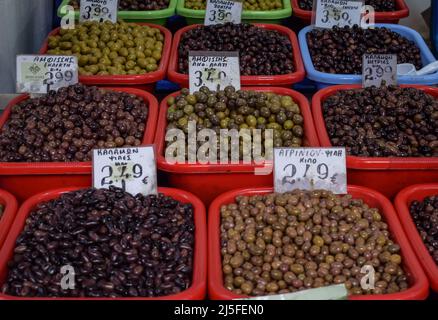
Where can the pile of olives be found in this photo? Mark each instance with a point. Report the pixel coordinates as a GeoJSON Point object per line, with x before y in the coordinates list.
{"type": "Point", "coordinates": [231, 109]}
{"type": "Point", "coordinates": [110, 48]}
{"type": "Point", "coordinates": [135, 5]}
{"type": "Point", "coordinates": [251, 5]}
{"type": "Point", "coordinates": [379, 5]}
{"type": "Point", "coordinates": [281, 243]}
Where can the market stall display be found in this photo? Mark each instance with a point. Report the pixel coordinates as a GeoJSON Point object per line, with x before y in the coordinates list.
{"type": "Point", "coordinates": [209, 180]}
{"type": "Point", "coordinates": [59, 145]}
{"type": "Point", "coordinates": [115, 54]}
{"type": "Point", "coordinates": [392, 140]}
{"type": "Point", "coordinates": [417, 209]}
{"type": "Point", "coordinates": [386, 11]}
{"type": "Point", "coordinates": [318, 248]}
{"type": "Point", "coordinates": [269, 54]}
{"type": "Point", "coordinates": [253, 10]}
{"type": "Point", "coordinates": [328, 63]}
{"type": "Point", "coordinates": [152, 11]}
{"type": "Point", "coordinates": [139, 238]}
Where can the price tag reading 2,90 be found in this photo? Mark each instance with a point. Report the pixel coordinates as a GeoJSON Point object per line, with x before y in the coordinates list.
{"type": "Point", "coordinates": [213, 69]}
{"type": "Point", "coordinates": [98, 10]}
{"type": "Point", "coordinates": [310, 169]}
{"type": "Point", "coordinates": [132, 169]}
{"type": "Point", "coordinates": [379, 68]}
{"type": "Point", "coordinates": [42, 73]}
{"type": "Point", "coordinates": [330, 13]}
{"type": "Point", "coordinates": [223, 11]}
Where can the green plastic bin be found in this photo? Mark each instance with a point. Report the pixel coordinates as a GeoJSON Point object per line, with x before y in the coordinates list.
{"type": "Point", "coordinates": [271, 17]}
{"type": "Point", "coordinates": [153, 16]}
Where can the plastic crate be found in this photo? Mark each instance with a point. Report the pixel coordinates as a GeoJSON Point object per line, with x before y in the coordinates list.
{"type": "Point", "coordinates": [418, 282]}
{"type": "Point", "coordinates": [151, 16]}
{"type": "Point", "coordinates": [196, 291]}
{"type": "Point", "coordinates": [323, 79]}
{"type": "Point", "coordinates": [25, 179]}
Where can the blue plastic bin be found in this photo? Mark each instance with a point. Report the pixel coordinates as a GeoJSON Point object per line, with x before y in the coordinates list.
{"type": "Point", "coordinates": [323, 80]}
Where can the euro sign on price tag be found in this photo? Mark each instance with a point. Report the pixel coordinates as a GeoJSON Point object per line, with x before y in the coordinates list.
{"type": "Point", "coordinates": [379, 69]}
{"type": "Point", "coordinates": [310, 169]}
{"type": "Point", "coordinates": [223, 11]}
{"type": "Point", "coordinates": [330, 13]}
{"type": "Point", "coordinates": [133, 169]}
{"type": "Point", "coordinates": [98, 10]}
{"type": "Point", "coordinates": [214, 69]}
{"type": "Point", "coordinates": [41, 73]}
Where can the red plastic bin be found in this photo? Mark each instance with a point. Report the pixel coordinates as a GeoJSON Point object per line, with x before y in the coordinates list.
{"type": "Point", "coordinates": [144, 81]}
{"type": "Point", "coordinates": [279, 80]}
{"type": "Point", "coordinates": [25, 179]}
{"type": "Point", "coordinates": [10, 207]}
{"type": "Point", "coordinates": [197, 290]}
{"type": "Point", "coordinates": [402, 11]}
{"type": "Point", "coordinates": [402, 203]}
{"type": "Point", "coordinates": [386, 175]}
{"type": "Point", "coordinates": [418, 280]}
{"type": "Point", "coordinates": [207, 181]}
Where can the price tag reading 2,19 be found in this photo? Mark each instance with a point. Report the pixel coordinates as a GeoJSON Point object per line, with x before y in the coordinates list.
{"type": "Point", "coordinates": [98, 10]}
{"type": "Point", "coordinates": [42, 73]}
{"type": "Point", "coordinates": [223, 11]}
{"type": "Point", "coordinates": [330, 13]}
{"type": "Point", "coordinates": [310, 169]}
{"type": "Point", "coordinates": [132, 169]}
{"type": "Point", "coordinates": [213, 69]}
{"type": "Point", "coordinates": [378, 68]}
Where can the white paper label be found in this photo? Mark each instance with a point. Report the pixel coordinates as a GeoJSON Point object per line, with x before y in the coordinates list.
{"type": "Point", "coordinates": [223, 11]}
{"type": "Point", "coordinates": [42, 73]}
{"type": "Point", "coordinates": [330, 13]}
{"type": "Point", "coordinates": [214, 69]}
{"type": "Point", "coordinates": [132, 169]}
{"type": "Point", "coordinates": [310, 169]}
{"type": "Point", "coordinates": [98, 10]}
{"type": "Point", "coordinates": [378, 68]}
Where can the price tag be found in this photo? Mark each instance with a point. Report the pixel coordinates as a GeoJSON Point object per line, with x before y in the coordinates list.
{"type": "Point", "coordinates": [310, 169]}
{"type": "Point", "coordinates": [214, 69]}
{"type": "Point", "coordinates": [98, 10]}
{"type": "Point", "coordinates": [42, 73]}
{"type": "Point", "coordinates": [330, 13]}
{"type": "Point", "coordinates": [132, 169]}
{"type": "Point", "coordinates": [379, 68]}
{"type": "Point", "coordinates": [223, 11]}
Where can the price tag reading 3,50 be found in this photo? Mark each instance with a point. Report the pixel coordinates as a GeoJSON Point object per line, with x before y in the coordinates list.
{"type": "Point", "coordinates": [213, 69]}
{"type": "Point", "coordinates": [223, 11]}
{"type": "Point", "coordinates": [330, 13]}
{"type": "Point", "coordinates": [310, 169]}
{"type": "Point", "coordinates": [132, 169]}
{"type": "Point", "coordinates": [41, 73]}
{"type": "Point", "coordinates": [98, 10]}
{"type": "Point", "coordinates": [379, 68]}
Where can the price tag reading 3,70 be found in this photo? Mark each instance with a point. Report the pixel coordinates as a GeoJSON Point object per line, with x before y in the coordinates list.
{"type": "Point", "coordinates": [330, 13]}
{"type": "Point", "coordinates": [98, 10]}
{"type": "Point", "coordinates": [42, 73]}
{"type": "Point", "coordinates": [213, 69]}
{"type": "Point", "coordinates": [310, 169]}
{"type": "Point", "coordinates": [379, 68]}
{"type": "Point", "coordinates": [132, 169]}
{"type": "Point", "coordinates": [223, 11]}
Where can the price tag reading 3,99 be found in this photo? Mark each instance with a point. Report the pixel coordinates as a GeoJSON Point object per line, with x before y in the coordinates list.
{"type": "Point", "coordinates": [213, 69]}
{"type": "Point", "coordinates": [310, 169]}
{"type": "Point", "coordinates": [132, 169]}
{"type": "Point", "coordinates": [330, 13]}
{"type": "Point", "coordinates": [42, 73]}
{"type": "Point", "coordinates": [223, 11]}
{"type": "Point", "coordinates": [379, 68]}
{"type": "Point", "coordinates": [98, 10]}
